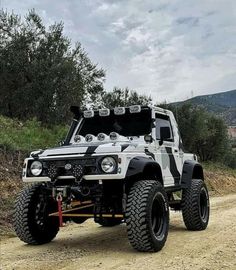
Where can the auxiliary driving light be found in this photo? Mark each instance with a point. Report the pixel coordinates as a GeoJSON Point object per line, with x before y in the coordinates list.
{"type": "Point", "coordinates": [101, 136]}
{"type": "Point", "coordinates": [52, 171]}
{"type": "Point", "coordinates": [77, 171]}
{"type": "Point", "coordinates": [88, 114]}
{"type": "Point", "coordinates": [104, 112]}
{"type": "Point", "coordinates": [114, 136]}
{"type": "Point", "coordinates": [119, 110]}
{"type": "Point", "coordinates": [135, 109]}
{"type": "Point", "coordinates": [77, 138]}
{"type": "Point", "coordinates": [89, 137]}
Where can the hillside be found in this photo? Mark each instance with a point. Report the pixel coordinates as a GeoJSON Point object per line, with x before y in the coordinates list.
{"type": "Point", "coordinates": [222, 104]}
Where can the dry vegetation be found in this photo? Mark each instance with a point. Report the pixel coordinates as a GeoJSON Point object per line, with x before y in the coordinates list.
{"type": "Point", "coordinates": [10, 184]}
{"type": "Point", "coordinates": [220, 179]}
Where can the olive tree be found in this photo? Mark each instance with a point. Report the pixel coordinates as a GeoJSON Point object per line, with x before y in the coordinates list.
{"type": "Point", "coordinates": [41, 73]}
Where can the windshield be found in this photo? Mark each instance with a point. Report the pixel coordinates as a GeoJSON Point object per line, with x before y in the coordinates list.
{"type": "Point", "coordinates": [128, 124]}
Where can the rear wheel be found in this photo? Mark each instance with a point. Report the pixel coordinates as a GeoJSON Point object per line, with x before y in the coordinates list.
{"type": "Point", "coordinates": [31, 219]}
{"type": "Point", "coordinates": [195, 206]}
{"type": "Point", "coordinates": [147, 216]}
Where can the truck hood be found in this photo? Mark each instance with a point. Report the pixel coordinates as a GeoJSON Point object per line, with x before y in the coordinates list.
{"type": "Point", "coordinates": [76, 149]}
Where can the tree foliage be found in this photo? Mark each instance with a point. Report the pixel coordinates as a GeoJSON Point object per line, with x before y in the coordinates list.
{"type": "Point", "coordinates": [202, 133]}
{"type": "Point", "coordinates": [41, 75]}
{"type": "Point", "coordinates": [124, 97]}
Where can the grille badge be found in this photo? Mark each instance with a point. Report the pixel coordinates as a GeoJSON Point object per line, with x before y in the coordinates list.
{"type": "Point", "coordinates": [68, 166]}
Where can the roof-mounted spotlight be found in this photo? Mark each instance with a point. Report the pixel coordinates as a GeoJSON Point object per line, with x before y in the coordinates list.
{"type": "Point", "coordinates": [135, 109]}
{"type": "Point", "coordinates": [88, 114]}
{"type": "Point", "coordinates": [119, 110]}
{"type": "Point", "coordinates": [104, 112]}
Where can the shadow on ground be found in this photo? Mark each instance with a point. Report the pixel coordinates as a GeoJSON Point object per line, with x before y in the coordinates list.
{"type": "Point", "coordinates": [95, 239]}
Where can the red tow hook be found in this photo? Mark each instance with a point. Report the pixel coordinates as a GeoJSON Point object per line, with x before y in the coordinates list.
{"type": "Point", "coordinates": [59, 203]}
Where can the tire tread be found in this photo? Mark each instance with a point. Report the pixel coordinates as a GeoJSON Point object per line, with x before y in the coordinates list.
{"type": "Point", "coordinates": [190, 206]}
{"type": "Point", "coordinates": [136, 212]}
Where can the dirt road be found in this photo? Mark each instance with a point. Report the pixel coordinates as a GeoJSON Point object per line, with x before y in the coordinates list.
{"type": "Point", "coordinates": [89, 246]}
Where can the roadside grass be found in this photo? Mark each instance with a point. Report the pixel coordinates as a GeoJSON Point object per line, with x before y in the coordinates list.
{"type": "Point", "coordinates": [29, 135]}
{"type": "Point", "coordinates": [17, 139]}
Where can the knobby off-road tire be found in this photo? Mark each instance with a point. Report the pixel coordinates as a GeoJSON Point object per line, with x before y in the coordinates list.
{"type": "Point", "coordinates": [109, 222]}
{"type": "Point", "coordinates": [147, 216]}
{"type": "Point", "coordinates": [195, 206]}
{"type": "Point", "coordinates": [30, 219]}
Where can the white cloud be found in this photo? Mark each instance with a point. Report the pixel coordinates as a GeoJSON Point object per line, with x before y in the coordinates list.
{"type": "Point", "coordinates": [164, 48]}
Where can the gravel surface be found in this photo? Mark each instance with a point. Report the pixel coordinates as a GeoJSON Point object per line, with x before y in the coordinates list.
{"type": "Point", "coordinates": [89, 246]}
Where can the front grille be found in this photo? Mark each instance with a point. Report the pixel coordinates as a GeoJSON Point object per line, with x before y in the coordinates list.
{"type": "Point", "coordinates": [54, 168]}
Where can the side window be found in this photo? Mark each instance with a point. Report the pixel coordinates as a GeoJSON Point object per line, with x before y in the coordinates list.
{"type": "Point", "coordinates": [162, 121]}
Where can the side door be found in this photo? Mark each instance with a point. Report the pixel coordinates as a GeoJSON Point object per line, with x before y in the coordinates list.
{"type": "Point", "coordinates": [166, 151]}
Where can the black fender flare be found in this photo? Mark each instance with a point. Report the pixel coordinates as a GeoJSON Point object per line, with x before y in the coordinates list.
{"type": "Point", "coordinates": [191, 170]}
{"type": "Point", "coordinates": [143, 168]}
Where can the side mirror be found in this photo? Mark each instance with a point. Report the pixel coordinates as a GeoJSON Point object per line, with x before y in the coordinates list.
{"type": "Point", "coordinates": [148, 138]}
{"type": "Point", "coordinates": [165, 133]}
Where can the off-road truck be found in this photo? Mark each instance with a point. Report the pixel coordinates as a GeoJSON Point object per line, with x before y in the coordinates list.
{"type": "Point", "coordinates": [120, 165]}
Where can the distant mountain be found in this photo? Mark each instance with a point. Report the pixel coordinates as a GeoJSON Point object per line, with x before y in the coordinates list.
{"type": "Point", "coordinates": [222, 104]}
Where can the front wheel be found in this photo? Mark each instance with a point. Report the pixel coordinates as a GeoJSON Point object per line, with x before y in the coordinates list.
{"type": "Point", "coordinates": [147, 216]}
{"type": "Point", "coordinates": [31, 219]}
{"type": "Point", "coordinates": [195, 206]}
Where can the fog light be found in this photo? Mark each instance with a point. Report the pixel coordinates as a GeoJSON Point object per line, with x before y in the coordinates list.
{"type": "Point", "coordinates": [77, 171]}
{"type": "Point", "coordinates": [52, 171]}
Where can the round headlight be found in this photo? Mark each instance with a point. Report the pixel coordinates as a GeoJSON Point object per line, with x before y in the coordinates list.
{"type": "Point", "coordinates": [108, 164]}
{"type": "Point", "coordinates": [36, 168]}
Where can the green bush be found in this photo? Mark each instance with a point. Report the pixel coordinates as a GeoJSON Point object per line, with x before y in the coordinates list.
{"type": "Point", "coordinates": [29, 135]}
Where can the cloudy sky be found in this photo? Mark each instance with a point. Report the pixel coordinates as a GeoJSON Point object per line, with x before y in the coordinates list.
{"type": "Point", "coordinates": [170, 49]}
